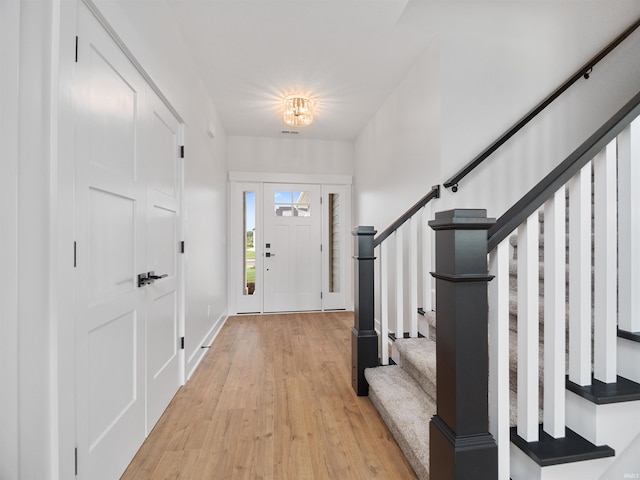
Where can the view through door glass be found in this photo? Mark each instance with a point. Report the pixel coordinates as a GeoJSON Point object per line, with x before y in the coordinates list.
{"type": "Point", "coordinates": [249, 229]}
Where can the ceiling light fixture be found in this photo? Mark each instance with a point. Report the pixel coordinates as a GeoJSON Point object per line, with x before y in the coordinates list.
{"type": "Point", "coordinates": [298, 110]}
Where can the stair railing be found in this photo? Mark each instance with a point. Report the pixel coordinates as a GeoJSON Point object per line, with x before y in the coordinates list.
{"type": "Point", "coordinates": [612, 156]}
{"type": "Point", "coordinates": [582, 72]}
{"type": "Point", "coordinates": [409, 224]}
{"type": "Point", "coordinates": [370, 336]}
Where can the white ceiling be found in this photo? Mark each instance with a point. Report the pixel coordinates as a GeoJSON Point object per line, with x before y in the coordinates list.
{"type": "Point", "coordinates": [346, 54]}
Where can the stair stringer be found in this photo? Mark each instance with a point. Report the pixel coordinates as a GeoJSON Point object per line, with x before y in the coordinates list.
{"type": "Point", "coordinates": [613, 424]}
{"type": "Point", "coordinates": [626, 464]}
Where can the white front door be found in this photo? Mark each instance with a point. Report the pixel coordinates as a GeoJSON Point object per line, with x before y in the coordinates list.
{"type": "Point", "coordinates": [110, 252]}
{"type": "Point", "coordinates": [291, 247]}
{"type": "Point", "coordinates": [162, 238]}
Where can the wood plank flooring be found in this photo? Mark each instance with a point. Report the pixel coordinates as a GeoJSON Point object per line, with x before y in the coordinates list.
{"type": "Point", "coordinates": [272, 399]}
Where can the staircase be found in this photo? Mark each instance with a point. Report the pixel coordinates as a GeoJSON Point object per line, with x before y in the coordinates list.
{"type": "Point", "coordinates": [405, 396]}
{"type": "Point", "coordinates": [564, 379]}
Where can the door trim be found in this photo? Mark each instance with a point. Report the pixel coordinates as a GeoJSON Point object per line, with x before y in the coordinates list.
{"type": "Point", "coordinates": [267, 177]}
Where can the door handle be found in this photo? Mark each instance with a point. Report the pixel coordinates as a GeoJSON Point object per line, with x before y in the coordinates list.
{"type": "Point", "coordinates": [148, 278]}
{"type": "Point", "coordinates": [153, 277]}
{"type": "Point", "coordinates": [269, 254]}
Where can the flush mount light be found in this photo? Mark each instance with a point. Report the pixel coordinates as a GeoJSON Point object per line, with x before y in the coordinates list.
{"type": "Point", "coordinates": [298, 110]}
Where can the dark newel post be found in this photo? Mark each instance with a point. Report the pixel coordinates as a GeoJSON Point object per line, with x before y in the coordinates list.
{"type": "Point", "coordinates": [364, 339]}
{"type": "Point", "coordinates": [461, 446]}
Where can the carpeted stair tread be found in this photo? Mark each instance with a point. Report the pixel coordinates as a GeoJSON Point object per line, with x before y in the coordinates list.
{"type": "Point", "coordinates": [418, 358]}
{"type": "Point", "coordinates": [406, 409]}
{"type": "Point", "coordinates": [431, 320]}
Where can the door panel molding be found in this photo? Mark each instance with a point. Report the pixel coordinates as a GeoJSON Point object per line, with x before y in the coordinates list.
{"type": "Point", "coordinates": [127, 217]}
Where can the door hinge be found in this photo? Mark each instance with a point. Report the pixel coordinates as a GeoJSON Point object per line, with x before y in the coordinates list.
{"type": "Point", "coordinates": [182, 246]}
{"type": "Point", "coordinates": [181, 343]}
{"type": "Point", "coordinates": [320, 247]}
{"type": "Point", "coordinates": [320, 200]}
{"type": "Point", "coordinates": [320, 295]}
{"type": "Point", "coordinates": [75, 254]}
{"type": "Point", "coordinates": [76, 49]}
{"type": "Point", "coordinates": [181, 151]}
{"type": "Point", "coordinates": [76, 461]}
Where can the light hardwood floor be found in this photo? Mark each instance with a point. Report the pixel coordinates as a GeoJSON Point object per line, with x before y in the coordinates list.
{"type": "Point", "coordinates": [272, 399]}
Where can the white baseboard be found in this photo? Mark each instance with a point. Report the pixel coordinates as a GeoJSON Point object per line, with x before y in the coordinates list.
{"type": "Point", "coordinates": [197, 356]}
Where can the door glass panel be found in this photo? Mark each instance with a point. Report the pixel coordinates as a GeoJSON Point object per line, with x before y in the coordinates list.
{"type": "Point", "coordinates": [334, 242]}
{"type": "Point", "coordinates": [292, 204]}
{"type": "Point", "coordinates": [249, 249]}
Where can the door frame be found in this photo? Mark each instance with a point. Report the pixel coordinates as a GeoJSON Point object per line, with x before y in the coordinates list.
{"type": "Point", "coordinates": [254, 181]}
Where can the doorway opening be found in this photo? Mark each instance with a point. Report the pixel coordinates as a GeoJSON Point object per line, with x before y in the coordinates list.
{"type": "Point", "coordinates": [289, 247]}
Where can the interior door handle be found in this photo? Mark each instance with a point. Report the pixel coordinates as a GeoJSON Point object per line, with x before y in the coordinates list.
{"type": "Point", "coordinates": [269, 254]}
{"type": "Point", "coordinates": [149, 278]}
{"type": "Point", "coordinates": [153, 277]}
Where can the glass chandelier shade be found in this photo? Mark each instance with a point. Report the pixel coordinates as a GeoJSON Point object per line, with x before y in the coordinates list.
{"type": "Point", "coordinates": [298, 111]}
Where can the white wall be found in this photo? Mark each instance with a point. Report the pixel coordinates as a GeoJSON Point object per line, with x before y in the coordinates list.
{"type": "Point", "coordinates": [205, 240]}
{"type": "Point", "coordinates": [290, 155]}
{"type": "Point", "coordinates": [489, 65]}
{"type": "Point", "coordinates": [398, 152]}
{"type": "Point", "coordinates": [26, 387]}
{"type": "Point", "coordinates": [500, 62]}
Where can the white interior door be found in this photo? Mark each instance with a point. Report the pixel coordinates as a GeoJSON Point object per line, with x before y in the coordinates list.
{"type": "Point", "coordinates": [291, 245]}
{"type": "Point", "coordinates": [109, 216]}
{"type": "Point", "coordinates": [163, 201]}
{"type": "Point", "coordinates": [127, 221]}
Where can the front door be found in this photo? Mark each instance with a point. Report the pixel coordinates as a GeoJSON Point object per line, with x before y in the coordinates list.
{"type": "Point", "coordinates": [292, 247]}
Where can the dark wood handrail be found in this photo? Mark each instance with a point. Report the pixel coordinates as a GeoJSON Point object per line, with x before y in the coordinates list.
{"type": "Point", "coordinates": [560, 175]}
{"type": "Point", "coordinates": [434, 193]}
{"type": "Point", "coordinates": [584, 71]}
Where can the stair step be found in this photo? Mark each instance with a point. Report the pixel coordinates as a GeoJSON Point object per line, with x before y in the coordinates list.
{"type": "Point", "coordinates": [418, 359]}
{"type": "Point", "coordinates": [600, 393]}
{"type": "Point", "coordinates": [633, 336]}
{"type": "Point", "coordinates": [430, 317]}
{"type": "Point", "coordinates": [629, 355]}
{"type": "Point", "coordinates": [555, 451]}
{"type": "Point", "coordinates": [406, 409]}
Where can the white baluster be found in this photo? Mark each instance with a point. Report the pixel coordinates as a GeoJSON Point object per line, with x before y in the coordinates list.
{"type": "Point", "coordinates": [413, 277]}
{"type": "Point", "coordinates": [384, 303]}
{"type": "Point", "coordinates": [580, 277]}
{"type": "Point", "coordinates": [399, 282]}
{"type": "Point", "coordinates": [528, 321]}
{"type": "Point", "coordinates": [499, 355]}
{"type": "Point", "coordinates": [427, 251]}
{"type": "Point", "coordinates": [554, 314]}
{"type": "Point", "coordinates": [629, 226]}
{"type": "Point", "coordinates": [605, 260]}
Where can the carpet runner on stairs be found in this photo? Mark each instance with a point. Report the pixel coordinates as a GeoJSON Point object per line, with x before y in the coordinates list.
{"type": "Point", "coordinates": [407, 402]}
